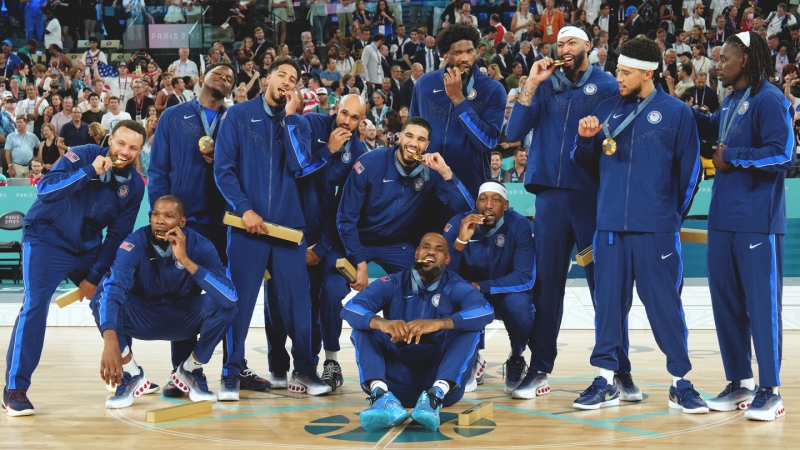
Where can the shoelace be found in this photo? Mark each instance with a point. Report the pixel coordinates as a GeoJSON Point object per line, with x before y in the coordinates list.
{"type": "Point", "coordinates": [529, 376]}
{"type": "Point", "coordinates": [18, 395]}
{"type": "Point", "coordinates": [126, 380]}
{"type": "Point", "coordinates": [593, 388]}
{"type": "Point", "coordinates": [200, 379]}
{"type": "Point", "coordinates": [687, 393]}
{"type": "Point", "coordinates": [626, 379]}
{"type": "Point", "coordinates": [374, 398]}
{"type": "Point", "coordinates": [435, 401]}
{"type": "Point", "coordinates": [761, 398]}
{"type": "Point", "coordinates": [729, 388]}
{"type": "Point", "coordinates": [514, 369]}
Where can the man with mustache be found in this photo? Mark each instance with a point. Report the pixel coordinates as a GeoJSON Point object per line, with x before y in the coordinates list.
{"type": "Point", "coordinates": [493, 248]}
{"type": "Point", "coordinates": [551, 103]}
{"type": "Point", "coordinates": [425, 341]}
{"type": "Point", "coordinates": [333, 139]}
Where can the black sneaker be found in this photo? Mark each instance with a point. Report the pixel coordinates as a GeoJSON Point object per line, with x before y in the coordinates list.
{"type": "Point", "coordinates": [514, 371]}
{"type": "Point", "coordinates": [332, 374]}
{"type": "Point", "coordinates": [16, 403]}
{"type": "Point", "coordinates": [249, 381]}
{"type": "Point", "coordinates": [170, 390]}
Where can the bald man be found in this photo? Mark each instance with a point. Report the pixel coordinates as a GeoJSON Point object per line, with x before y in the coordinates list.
{"type": "Point", "coordinates": [334, 140]}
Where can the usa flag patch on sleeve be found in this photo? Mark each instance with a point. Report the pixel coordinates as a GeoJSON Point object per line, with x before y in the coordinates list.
{"type": "Point", "coordinates": [358, 167]}
{"type": "Point", "coordinates": [447, 227]}
{"type": "Point", "coordinates": [72, 157]}
{"type": "Point", "coordinates": [126, 246]}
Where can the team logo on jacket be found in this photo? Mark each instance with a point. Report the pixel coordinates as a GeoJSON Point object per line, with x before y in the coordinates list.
{"type": "Point", "coordinates": [123, 191]}
{"type": "Point", "coordinates": [654, 117]}
{"type": "Point", "coordinates": [418, 183]}
{"type": "Point", "coordinates": [472, 94]}
{"type": "Point", "coordinates": [447, 227]}
{"type": "Point", "coordinates": [590, 89]}
{"type": "Point", "coordinates": [501, 240]}
{"type": "Point", "coordinates": [72, 156]}
{"type": "Point", "coordinates": [346, 157]}
{"type": "Point", "coordinates": [435, 300]}
{"type": "Point", "coordinates": [743, 108]}
{"type": "Point", "coordinates": [179, 265]}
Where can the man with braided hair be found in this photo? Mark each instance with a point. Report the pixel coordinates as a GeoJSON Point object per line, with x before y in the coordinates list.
{"type": "Point", "coordinates": [644, 145]}
{"type": "Point", "coordinates": [746, 224]}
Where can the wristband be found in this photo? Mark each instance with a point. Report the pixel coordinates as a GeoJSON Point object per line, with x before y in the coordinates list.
{"type": "Point", "coordinates": [461, 242]}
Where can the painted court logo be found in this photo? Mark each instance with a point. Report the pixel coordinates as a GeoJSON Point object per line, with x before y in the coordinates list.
{"type": "Point", "coordinates": [344, 428]}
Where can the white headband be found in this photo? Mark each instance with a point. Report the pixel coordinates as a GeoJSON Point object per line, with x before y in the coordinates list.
{"type": "Point", "coordinates": [744, 36]}
{"type": "Point", "coordinates": [572, 32]}
{"type": "Point", "coordinates": [491, 186]}
{"type": "Point", "coordinates": [636, 63]}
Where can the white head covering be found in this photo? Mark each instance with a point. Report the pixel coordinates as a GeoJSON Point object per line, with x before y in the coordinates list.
{"type": "Point", "coordinates": [492, 186]}
{"type": "Point", "coordinates": [744, 36]}
{"type": "Point", "coordinates": [570, 31]}
{"type": "Point", "coordinates": [634, 63]}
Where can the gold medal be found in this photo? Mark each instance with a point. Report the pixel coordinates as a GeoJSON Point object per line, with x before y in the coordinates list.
{"type": "Point", "coordinates": [609, 146]}
{"type": "Point", "coordinates": [161, 235]}
{"type": "Point", "coordinates": [206, 145]}
{"type": "Point", "coordinates": [417, 156]}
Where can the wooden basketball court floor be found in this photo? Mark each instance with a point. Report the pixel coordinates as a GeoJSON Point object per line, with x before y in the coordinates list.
{"type": "Point", "coordinates": [69, 399]}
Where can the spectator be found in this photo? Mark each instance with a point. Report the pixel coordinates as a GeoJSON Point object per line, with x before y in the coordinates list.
{"type": "Point", "coordinates": [48, 148]}
{"type": "Point", "coordinates": [151, 112]}
{"type": "Point", "coordinates": [247, 47]}
{"type": "Point", "coordinates": [329, 75]}
{"type": "Point", "coordinates": [703, 95]}
{"type": "Point", "coordinates": [403, 115]}
{"type": "Point", "coordinates": [371, 142]}
{"type": "Point", "coordinates": [114, 114]}
{"type": "Point", "coordinates": [383, 20]}
{"type": "Point", "coordinates": [178, 86]}
{"type": "Point", "coordinates": [65, 116]}
{"type": "Point", "coordinates": [493, 71]}
{"type": "Point", "coordinates": [344, 14]}
{"type": "Point", "coordinates": [373, 71]}
{"type": "Point", "coordinates": [496, 23]}
{"type": "Point", "coordinates": [636, 24]}
{"type": "Point", "coordinates": [52, 32]}
{"type": "Point", "coordinates": [512, 81]}
{"type": "Point", "coordinates": [94, 113]}
{"type": "Point", "coordinates": [685, 77]}
{"type": "Point", "coordinates": [337, 91]}
{"type": "Point", "coordinates": [516, 174]}
{"type": "Point", "coordinates": [21, 147]}
{"type": "Point", "coordinates": [309, 94]}
{"type": "Point", "coordinates": [358, 76]}
{"type": "Point", "coordinates": [31, 107]}
{"type": "Point", "coordinates": [34, 21]}
{"type": "Point", "coordinates": [143, 160]}
{"type": "Point", "coordinates": [495, 166]}
{"type": "Point", "coordinates": [700, 62]}
{"type": "Point", "coordinates": [522, 19]}
{"type": "Point", "coordinates": [465, 15]}
{"type": "Point", "coordinates": [358, 46]}
{"type": "Point", "coordinates": [184, 66]}
{"type": "Point", "coordinates": [97, 135]}
{"type": "Point", "coordinates": [119, 86]}
{"type": "Point", "coordinates": [137, 105]}
{"type": "Point", "coordinates": [780, 59]}
{"type": "Point", "coordinates": [42, 119]}
{"type": "Point", "coordinates": [779, 21]}
{"type": "Point", "coordinates": [501, 58]}
{"type": "Point", "coordinates": [319, 14]}
{"type": "Point", "coordinates": [344, 64]}
{"type": "Point", "coordinates": [377, 114]}
{"type": "Point", "coordinates": [73, 133]}
{"type": "Point", "coordinates": [429, 56]}
{"type": "Point", "coordinates": [323, 107]}
{"type": "Point", "coordinates": [524, 57]}
{"type": "Point", "coordinates": [7, 117]}
{"type": "Point", "coordinates": [407, 87]}
{"type": "Point", "coordinates": [551, 22]}
{"type": "Point", "coordinates": [36, 173]}
{"type": "Point", "coordinates": [695, 19]}
{"type": "Point", "coordinates": [392, 95]}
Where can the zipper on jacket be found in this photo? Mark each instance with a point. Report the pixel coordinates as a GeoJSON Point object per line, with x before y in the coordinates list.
{"type": "Point", "coordinates": [628, 184]}
{"type": "Point", "coordinates": [271, 158]}
{"type": "Point", "coordinates": [563, 138]}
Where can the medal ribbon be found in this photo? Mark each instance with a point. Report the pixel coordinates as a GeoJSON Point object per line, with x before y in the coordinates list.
{"type": "Point", "coordinates": [209, 128]}
{"type": "Point", "coordinates": [727, 121]}
{"type": "Point", "coordinates": [417, 283]}
{"type": "Point", "coordinates": [628, 119]}
{"type": "Point", "coordinates": [560, 79]}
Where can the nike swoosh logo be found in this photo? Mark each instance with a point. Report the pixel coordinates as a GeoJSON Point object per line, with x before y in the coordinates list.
{"type": "Point", "coordinates": [609, 396]}
{"type": "Point", "coordinates": [409, 296]}
{"type": "Point", "coordinates": [754, 246]}
{"type": "Point", "coordinates": [152, 259]}
{"type": "Point", "coordinates": [188, 117]}
{"type": "Point", "coordinates": [724, 109]}
{"type": "Point", "coordinates": [387, 181]}
{"type": "Point", "coordinates": [321, 141]}
{"type": "Point", "coordinates": [474, 240]}
{"type": "Point", "coordinates": [254, 120]}
{"type": "Point", "coordinates": [666, 256]}
{"type": "Point", "coordinates": [437, 90]}
{"type": "Point", "coordinates": [617, 115]}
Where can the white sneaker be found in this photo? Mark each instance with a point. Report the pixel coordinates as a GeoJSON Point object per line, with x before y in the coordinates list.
{"type": "Point", "coordinates": [767, 406]}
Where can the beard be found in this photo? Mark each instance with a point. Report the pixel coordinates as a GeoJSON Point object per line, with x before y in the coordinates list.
{"type": "Point", "coordinates": [577, 62]}
{"type": "Point", "coordinates": [633, 93]}
{"type": "Point", "coordinates": [431, 274]}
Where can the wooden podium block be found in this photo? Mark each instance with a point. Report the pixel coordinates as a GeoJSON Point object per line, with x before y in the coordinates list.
{"type": "Point", "coordinates": [346, 269]}
{"type": "Point", "coordinates": [178, 412]}
{"type": "Point", "coordinates": [585, 257]}
{"type": "Point", "coordinates": [70, 297]}
{"type": "Point", "coordinates": [267, 275]}
{"type": "Point", "coordinates": [475, 413]}
{"type": "Point", "coordinates": [275, 230]}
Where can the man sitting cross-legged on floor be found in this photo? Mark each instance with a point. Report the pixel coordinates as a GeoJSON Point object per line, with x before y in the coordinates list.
{"type": "Point", "coordinates": [426, 341]}
{"type": "Point", "coordinates": [154, 292]}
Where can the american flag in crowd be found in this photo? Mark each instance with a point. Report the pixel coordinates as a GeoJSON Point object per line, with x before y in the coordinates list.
{"type": "Point", "coordinates": [106, 71]}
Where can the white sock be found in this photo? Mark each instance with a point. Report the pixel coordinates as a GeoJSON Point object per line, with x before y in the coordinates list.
{"type": "Point", "coordinates": [775, 390]}
{"type": "Point", "coordinates": [331, 355]}
{"type": "Point", "coordinates": [748, 383]}
{"type": "Point", "coordinates": [378, 384]}
{"type": "Point", "coordinates": [443, 385]}
{"type": "Point", "coordinates": [675, 381]}
{"type": "Point", "coordinates": [608, 375]}
{"type": "Point", "coordinates": [131, 367]}
{"type": "Point", "coordinates": [192, 364]}
{"type": "Point", "coordinates": [126, 351]}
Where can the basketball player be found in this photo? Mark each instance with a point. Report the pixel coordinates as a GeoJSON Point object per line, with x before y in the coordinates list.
{"type": "Point", "coordinates": [426, 342]}
{"type": "Point", "coordinates": [747, 224]}
{"type": "Point", "coordinates": [63, 237]}
{"type": "Point", "coordinates": [644, 144]}
{"type": "Point", "coordinates": [549, 106]}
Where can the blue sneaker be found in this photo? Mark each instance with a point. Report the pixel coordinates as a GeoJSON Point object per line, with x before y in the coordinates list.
{"type": "Point", "coordinates": [194, 383]}
{"type": "Point", "coordinates": [384, 411]}
{"type": "Point", "coordinates": [131, 386]}
{"type": "Point", "coordinates": [16, 403]}
{"type": "Point", "coordinates": [229, 388]}
{"type": "Point", "coordinates": [735, 396]}
{"type": "Point", "coordinates": [599, 395]}
{"type": "Point", "coordinates": [685, 397]}
{"type": "Point", "coordinates": [426, 413]}
{"type": "Point", "coordinates": [767, 405]}
{"type": "Point", "coordinates": [152, 389]}
{"type": "Point", "coordinates": [514, 371]}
